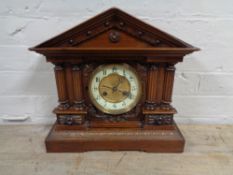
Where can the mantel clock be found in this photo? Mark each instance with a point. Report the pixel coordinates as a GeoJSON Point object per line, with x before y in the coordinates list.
{"type": "Point", "coordinates": [114, 77]}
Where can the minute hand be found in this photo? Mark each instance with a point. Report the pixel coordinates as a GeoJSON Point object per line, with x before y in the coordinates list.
{"type": "Point", "coordinates": [107, 87]}
{"type": "Point", "coordinates": [120, 80]}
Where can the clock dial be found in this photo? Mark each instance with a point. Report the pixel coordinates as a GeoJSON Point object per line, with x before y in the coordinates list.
{"type": "Point", "coordinates": [114, 88]}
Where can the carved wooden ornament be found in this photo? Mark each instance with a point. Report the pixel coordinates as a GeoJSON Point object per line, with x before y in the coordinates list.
{"type": "Point", "coordinates": [114, 76]}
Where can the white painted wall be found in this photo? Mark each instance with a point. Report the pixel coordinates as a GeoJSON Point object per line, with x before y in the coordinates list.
{"type": "Point", "coordinates": [204, 81]}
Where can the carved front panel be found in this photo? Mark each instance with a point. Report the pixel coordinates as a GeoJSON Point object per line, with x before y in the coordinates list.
{"type": "Point", "coordinates": [70, 119]}
{"type": "Point", "coordinates": [159, 119]}
{"type": "Point", "coordinates": [156, 79]}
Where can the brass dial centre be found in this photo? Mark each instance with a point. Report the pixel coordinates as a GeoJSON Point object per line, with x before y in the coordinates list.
{"type": "Point", "coordinates": [114, 88]}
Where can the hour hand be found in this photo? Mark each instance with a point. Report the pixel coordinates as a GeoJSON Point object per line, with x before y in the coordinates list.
{"type": "Point", "coordinates": [106, 86]}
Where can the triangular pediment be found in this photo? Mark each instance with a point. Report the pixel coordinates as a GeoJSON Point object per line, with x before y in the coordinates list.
{"type": "Point", "coordinates": [110, 20]}
{"type": "Point", "coordinates": [113, 29]}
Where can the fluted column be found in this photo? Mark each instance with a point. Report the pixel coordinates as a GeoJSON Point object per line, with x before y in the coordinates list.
{"type": "Point", "coordinates": [168, 84]}
{"type": "Point", "coordinates": [78, 87]}
{"type": "Point", "coordinates": [61, 87]}
{"type": "Point", "coordinates": [151, 96]}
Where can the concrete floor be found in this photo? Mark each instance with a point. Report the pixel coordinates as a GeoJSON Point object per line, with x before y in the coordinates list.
{"type": "Point", "coordinates": [209, 150]}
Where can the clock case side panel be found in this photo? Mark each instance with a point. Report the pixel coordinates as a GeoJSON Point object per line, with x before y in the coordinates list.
{"type": "Point", "coordinates": [158, 109]}
{"type": "Point", "coordinates": [69, 82]}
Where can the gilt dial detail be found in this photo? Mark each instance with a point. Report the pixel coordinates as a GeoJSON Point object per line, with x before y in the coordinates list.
{"type": "Point", "coordinates": [114, 88]}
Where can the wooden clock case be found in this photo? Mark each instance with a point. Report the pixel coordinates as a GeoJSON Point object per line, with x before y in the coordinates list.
{"type": "Point", "coordinates": [114, 37]}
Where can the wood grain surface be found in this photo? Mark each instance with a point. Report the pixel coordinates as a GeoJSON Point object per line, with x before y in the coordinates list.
{"type": "Point", "coordinates": [208, 151]}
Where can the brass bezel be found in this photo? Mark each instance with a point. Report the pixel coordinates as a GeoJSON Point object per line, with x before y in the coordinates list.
{"type": "Point", "coordinates": [120, 111]}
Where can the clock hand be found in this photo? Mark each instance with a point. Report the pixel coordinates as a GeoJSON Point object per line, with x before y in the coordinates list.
{"type": "Point", "coordinates": [107, 86]}
{"type": "Point", "coordinates": [120, 79]}
{"type": "Point", "coordinates": [112, 88]}
{"type": "Point", "coordinates": [125, 93]}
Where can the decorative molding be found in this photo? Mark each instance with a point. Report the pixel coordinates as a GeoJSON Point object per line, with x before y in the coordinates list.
{"type": "Point", "coordinates": [166, 106]}
{"type": "Point", "coordinates": [118, 133]}
{"type": "Point", "coordinates": [70, 119]}
{"type": "Point", "coordinates": [111, 118]}
{"type": "Point", "coordinates": [158, 119]}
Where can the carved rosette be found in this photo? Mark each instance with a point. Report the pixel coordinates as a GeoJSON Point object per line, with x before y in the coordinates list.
{"type": "Point", "coordinates": [168, 86]}
{"type": "Point", "coordinates": [151, 87]}
{"type": "Point", "coordinates": [61, 87]}
{"type": "Point", "coordinates": [78, 87]}
{"type": "Point", "coordinates": [114, 36]}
